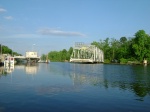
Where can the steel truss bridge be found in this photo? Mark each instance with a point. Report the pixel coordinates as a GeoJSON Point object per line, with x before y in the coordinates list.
{"type": "Point", "coordinates": [86, 53]}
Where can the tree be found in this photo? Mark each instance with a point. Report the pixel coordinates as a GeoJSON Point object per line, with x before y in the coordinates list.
{"type": "Point", "coordinates": [123, 48]}
{"type": "Point", "coordinates": [54, 56]}
{"type": "Point", "coordinates": [59, 55]}
{"type": "Point", "coordinates": [69, 53]}
{"type": "Point", "coordinates": [135, 48]}
{"type": "Point", "coordinates": [63, 55]}
{"type": "Point", "coordinates": [140, 45]}
{"type": "Point", "coordinates": [43, 57]}
{"type": "Point", "coordinates": [115, 44]}
{"type": "Point", "coordinates": [123, 40]}
{"type": "Point", "coordinates": [7, 50]}
{"type": "Point", "coordinates": [107, 49]}
{"type": "Point", "coordinates": [105, 46]}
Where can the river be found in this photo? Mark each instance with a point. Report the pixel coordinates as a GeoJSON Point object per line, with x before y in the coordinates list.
{"type": "Point", "coordinates": [70, 87]}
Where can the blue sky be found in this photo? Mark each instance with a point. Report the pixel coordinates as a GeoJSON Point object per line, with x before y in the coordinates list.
{"type": "Point", "coordinates": [47, 25]}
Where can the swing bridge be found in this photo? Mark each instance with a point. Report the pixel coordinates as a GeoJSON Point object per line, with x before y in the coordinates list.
{"type": "Point", "coordinates": [30, 57]}
{"type": "Point", "coordinates": [86, 53]}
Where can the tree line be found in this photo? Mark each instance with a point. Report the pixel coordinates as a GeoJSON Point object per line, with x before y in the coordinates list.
{"type": "Point", "coordinates": [125, 49]}
{"type": "Point", "coordinates": [61, 56]}
{"type": "Point", "coordinates": [6, 50]}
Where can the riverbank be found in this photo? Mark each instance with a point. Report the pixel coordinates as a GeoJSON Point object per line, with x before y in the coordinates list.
{"type": "Point", "coordinates": [126, 62]}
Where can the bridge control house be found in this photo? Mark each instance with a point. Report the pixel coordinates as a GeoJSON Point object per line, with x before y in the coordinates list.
{"type": "Point", "coordinates": [32, 56]}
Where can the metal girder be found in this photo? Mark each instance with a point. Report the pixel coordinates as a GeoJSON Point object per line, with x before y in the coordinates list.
{"type": "Point", "coordinates": [86, 53]}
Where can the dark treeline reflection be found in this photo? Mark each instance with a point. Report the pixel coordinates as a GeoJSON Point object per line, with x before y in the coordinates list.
{"type": "Point", "coordinates": [134, 78]}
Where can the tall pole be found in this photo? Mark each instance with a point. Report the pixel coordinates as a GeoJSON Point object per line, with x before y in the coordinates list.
{"type": "Point", "coordinates": [12, 51]}
{"type": "Point", "coordinates": [1, 48]}
{"type": "Point", "coordinates": [32, 47]}
{"type": "Point", "coordinates": [1, 53]}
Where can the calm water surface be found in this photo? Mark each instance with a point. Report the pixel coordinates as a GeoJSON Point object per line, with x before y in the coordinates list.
{"type": "Point", "coordinates": [69, 87]}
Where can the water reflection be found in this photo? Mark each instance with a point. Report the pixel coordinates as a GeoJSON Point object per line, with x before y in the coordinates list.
{"type": "Point", "coordinates": [131, 78]}
{"type": "Point", "coordinates": [55, 78]}
{"type": "Point", "coordinates": [135, 79]}
{"type": "Point", "coordinates": [87, 74]}
{"type": "Point", "coordinates": [6, 70]}
{"type": "Point", "coordinates": [29, 68]}
{"type": "Point", "coordinates": [141, 85]}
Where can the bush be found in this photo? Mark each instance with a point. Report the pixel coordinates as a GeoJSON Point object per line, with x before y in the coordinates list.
{"type": "Point", "coordinates": [132, 59]}
{"type": "Point", "coordinates": [123, 61]}
{"type": "Point", "coordinates": [106, 61]}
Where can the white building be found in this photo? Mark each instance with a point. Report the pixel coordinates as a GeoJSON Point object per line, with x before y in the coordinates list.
{"type": "Point", "coordinates": [31, 54]}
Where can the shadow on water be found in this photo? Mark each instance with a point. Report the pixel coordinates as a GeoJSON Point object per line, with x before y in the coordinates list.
{"type": "Point", "coordinates": [134, 78]}
{"type": "Point", "coordinates": [4, 71]}
{"type": "Point", "coordinates": [75, 87]}
{"type": "Point", "coordinates": [141, 84]}
{"type": "Point", "coordinates": [126, 77]}
{"type": "Point", "coordinates": [30, 68]}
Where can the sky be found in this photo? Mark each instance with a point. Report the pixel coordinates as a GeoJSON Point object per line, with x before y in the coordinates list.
{"type": "Point", "coordinates": [54, 25]}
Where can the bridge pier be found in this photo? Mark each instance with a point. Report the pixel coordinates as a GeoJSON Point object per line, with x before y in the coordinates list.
{"type": "Point", "coordinates": [32, 60]}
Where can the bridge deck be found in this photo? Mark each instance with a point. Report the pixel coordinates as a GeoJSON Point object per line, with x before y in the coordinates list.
{"type": "Point", "coordinates": [19, 57]}
{"type": "Point", "coordinates": [29, 59]}
{"type": "Point", "coordinates": [23, 57]}
{"type": "Point", "coordinates": [82, 60]}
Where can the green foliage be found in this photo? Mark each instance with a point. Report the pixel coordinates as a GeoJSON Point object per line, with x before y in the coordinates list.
{"type": "Point", "coordinates": [7, 50]}
{"type": "Point", "coordinates": [132, 59]}
{"type": "Point", "coordinates": [106, 61]}
{"type": "Point", "coordinates": [141, 45]}
{"type": "Point", "coordinates": [123, 61]}
{"type": "Point", "coordinates": [69, 53]}
{"type": "Point", "coordinates": [43, 57]}
{"type": "Point", "coordinates": [137, 47]}
{"type": "Point", "coordinates": [133, 49]}
{"type": "Point", "coordinates": [63, 55]}
{"type": "Point", "coordinates": [123, 40]}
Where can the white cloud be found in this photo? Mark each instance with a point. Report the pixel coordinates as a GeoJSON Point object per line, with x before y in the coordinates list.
{"type": "Point", "coordinates": [8, 17]}
{"type": "Point", "coordinates": [2, 10]}
{"type": "Point", "coordinates": [57, 32]}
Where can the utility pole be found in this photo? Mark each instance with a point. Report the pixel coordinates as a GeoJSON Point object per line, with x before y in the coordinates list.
{"type": "Point", "coordinates": [1, 49]}
{"type": "Point", "coordinates": [0, 53]}
{"type": "Point", "coordinates": [33, 47]}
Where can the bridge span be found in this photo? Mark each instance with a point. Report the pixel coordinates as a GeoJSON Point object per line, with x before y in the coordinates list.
{"type": "Point", "coordinates": [19, 57]}
{"type": "Point", "coordinates": [86, 53]}
{"type": "Point", "coordinates": [30, 57]}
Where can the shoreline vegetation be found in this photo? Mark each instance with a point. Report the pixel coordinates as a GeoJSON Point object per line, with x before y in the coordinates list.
{"type": "Point", "coordinates": [124, 61]}
{"type": "Point", "coordinates": [131, 50]}
{"type": "Point", "coordinates": [6, 50]}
